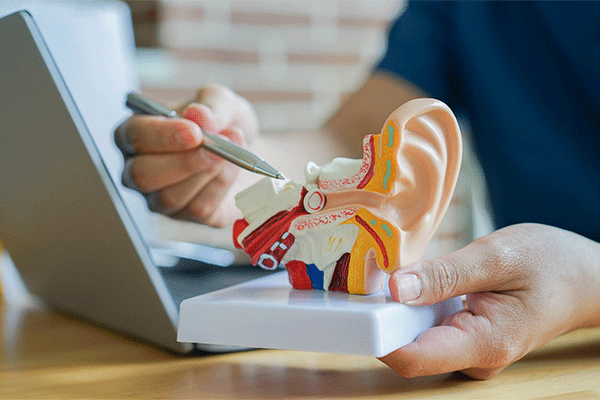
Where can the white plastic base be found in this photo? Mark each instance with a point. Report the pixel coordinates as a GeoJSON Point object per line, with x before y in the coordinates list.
{"type": "Point", "coordinates": [268, 313]}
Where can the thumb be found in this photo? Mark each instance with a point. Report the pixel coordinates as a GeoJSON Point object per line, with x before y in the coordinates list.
{"type": "Point", "coordinates": [478, 267]}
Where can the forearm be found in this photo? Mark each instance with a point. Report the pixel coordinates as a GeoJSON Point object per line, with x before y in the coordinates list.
{"type": "Point", "coordinates": [289, 152]}
{"type": "Point", "coordinates": [366, 110]}
{"type": "Point", "coordinates": [587, 255]}
{"type": "Point", "coordinates": [363, 113]}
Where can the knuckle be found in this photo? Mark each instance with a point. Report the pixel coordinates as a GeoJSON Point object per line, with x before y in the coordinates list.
{"type": "Point", "coordinates": [176, 128]}
{"type": "Point", "coordinates": [223, 180]}
{"type": "Point", "coordinates": [505, 256]}
{"type": "Point", "coordinates": [156, 126]}
{"type": "Point", "coordinates": [201, 211]}
{"type": "Point", "coordinates": [500, 252]}
{"type": "Point", "coordinates": [235, 135]}
{"type": "Point", "coordinates": [132, 138]}
{"type": "Point", "coordinates": [123, 138]}
{"type": "Point", "coordinates": [213, 91]}
{"type": "Point", "coordinates": [138, 132]}
{"type": "Point", "coordinates": [137, 176]}
{"type": "Point", "coordinates": [190, 163]}
{"type": "Point", "coordinates": [502, 352]}
{"type": "Point", "coordinates": [167, 202]}
{"type": "Point", "coordinates": [444, 279]}
{"type": "Point", "coordinates": [499, 358]}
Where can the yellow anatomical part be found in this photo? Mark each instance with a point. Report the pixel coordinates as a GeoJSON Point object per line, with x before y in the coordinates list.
{"type": "Point", "coordinates": [376, 237]}
{"type": "Point", "coordinates": [385, 159]}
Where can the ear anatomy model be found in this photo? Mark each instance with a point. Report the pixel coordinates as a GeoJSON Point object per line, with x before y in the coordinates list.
{"type": "Point", "coordinates": [354, 221]}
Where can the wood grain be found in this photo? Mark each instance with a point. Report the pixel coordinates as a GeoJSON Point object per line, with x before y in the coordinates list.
{"type": "Point", "coordinates": [48, 355]}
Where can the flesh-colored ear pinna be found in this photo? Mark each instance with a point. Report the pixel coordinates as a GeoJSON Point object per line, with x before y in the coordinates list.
{"type": "Point", "coordinates": [353, 221]}
{"type": "Point", "coordinates": [429, 158]}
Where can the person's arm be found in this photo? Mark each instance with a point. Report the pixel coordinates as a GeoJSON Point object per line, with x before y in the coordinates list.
{"type": "Point", "coordinates": [179, 179]}
{"type": "Point", "coordinates": [366, 110]}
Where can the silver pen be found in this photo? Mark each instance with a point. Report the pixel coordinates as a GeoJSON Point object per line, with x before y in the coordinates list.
{"type": "Point", "coordinates": [217, 145]}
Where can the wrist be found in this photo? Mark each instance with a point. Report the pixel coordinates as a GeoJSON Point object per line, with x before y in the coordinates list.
{"type": "Point", "coordinates": [588, 311]}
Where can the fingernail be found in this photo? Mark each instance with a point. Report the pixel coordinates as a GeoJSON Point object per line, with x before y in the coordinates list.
{"type": "Point", "coordinates": [409, 287]}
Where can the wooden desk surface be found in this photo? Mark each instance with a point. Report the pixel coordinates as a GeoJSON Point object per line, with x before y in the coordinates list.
{"type": "Point", "coordinates": [48, 355]}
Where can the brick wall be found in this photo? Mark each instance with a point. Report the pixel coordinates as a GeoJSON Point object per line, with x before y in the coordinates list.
{"type": "Point", "coordinates": [294, 60]}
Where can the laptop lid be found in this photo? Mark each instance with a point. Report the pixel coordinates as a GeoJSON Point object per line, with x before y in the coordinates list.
{"type": "Point", "coordinates": [61, 216]}
{"type": "Point", "coordinates": [99, 35]}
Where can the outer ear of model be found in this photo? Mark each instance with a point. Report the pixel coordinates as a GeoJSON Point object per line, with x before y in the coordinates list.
{"type": "Point", "coordinates": [354, 221]}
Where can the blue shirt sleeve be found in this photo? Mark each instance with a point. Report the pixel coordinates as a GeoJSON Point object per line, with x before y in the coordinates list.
{"type": "Point", "coordinates": [420, 48]}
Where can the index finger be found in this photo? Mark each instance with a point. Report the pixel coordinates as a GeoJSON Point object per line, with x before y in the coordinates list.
{"type": "Point", "coordinates": [458, 344]}
{"type": "Point", "coordinates": [143, 134]}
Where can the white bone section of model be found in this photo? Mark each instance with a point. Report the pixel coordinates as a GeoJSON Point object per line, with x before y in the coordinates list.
{"type": "Point", "coordinates": [338, 170]}
{"type": "Point", "coordinates": [311, 222]}
{"type": "Point", "coordinates": [314, 201]}
{"type": "Point", "coordinates": [340, 173]}
{"type": "Point", "coordinates": [322, 246]}
{"type": "Point", "coordinates": [264, 199]}
{"type": "Point", "coordinates": [267, 197]}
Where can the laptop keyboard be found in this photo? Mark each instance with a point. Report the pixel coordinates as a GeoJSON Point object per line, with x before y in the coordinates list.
{"type": "Point", "coordinates": [192, 278]}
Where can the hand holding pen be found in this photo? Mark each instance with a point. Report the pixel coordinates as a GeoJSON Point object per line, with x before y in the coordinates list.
{"type": "Point", "coordinates": [217, 145]}
{"type": "Point", "coordinates": [170, 160]}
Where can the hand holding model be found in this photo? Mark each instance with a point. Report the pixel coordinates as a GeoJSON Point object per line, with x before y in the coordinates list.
{"type": "Point", "coordinates": [525, 284]}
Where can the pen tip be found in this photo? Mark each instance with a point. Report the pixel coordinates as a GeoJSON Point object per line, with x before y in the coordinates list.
{"type": "Point", "coordinates": [279, 176]}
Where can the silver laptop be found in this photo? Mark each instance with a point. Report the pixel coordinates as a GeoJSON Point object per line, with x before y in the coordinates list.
{"type": "Point", "coordinates": [62, 219]}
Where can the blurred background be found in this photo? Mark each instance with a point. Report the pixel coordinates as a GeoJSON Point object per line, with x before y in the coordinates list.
{"type": "Point", "coordinates": [294, 60]}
